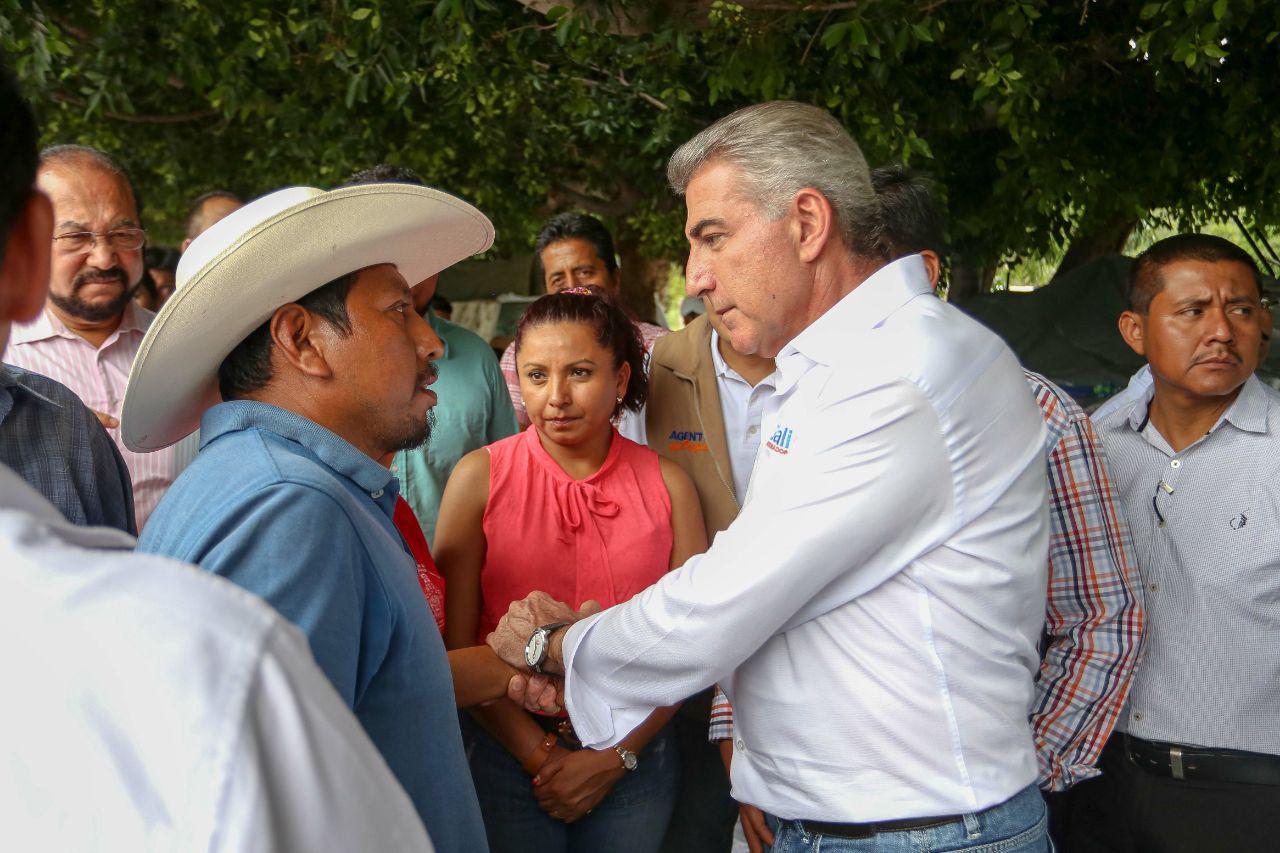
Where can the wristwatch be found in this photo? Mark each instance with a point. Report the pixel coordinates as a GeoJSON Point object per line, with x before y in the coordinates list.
{"type": "Point", "coordinates": [535, 651]}
{"type": "Point", "coordinates": [629, 760]}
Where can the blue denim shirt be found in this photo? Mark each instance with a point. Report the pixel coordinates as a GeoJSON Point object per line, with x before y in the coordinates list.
{"type": "Point", "coordinates": [290, 511]}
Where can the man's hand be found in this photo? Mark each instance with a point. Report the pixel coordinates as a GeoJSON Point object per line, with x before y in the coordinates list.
{"type": "Point", "coordinates": [757, 833]}
{"type": "Point", "coordinates": [523, 617]}
{"type": "Point", "coordinates": [106, 420]}
{"type": "Point", "coordinates": [754, 828]}
{"type": "Point", "coordinates": [571, 785]}
{"type": "Point", "coordinates": [544, 693]}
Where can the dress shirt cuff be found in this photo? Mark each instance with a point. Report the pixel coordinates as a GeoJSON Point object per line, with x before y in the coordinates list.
{"type": "Point", "coordinates": [1055, 776]}
{"type": "Point", "coordinates": [721, 718]}
{"type": "Point", "coordinates": [596, 722]}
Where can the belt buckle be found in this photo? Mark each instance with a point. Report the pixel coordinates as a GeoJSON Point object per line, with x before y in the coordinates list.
{"type": "Point", "coordinates": [1175, 763]}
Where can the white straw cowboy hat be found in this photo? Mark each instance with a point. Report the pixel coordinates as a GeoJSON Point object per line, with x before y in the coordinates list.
{"type": "Point", "coordinates": [273, 251]}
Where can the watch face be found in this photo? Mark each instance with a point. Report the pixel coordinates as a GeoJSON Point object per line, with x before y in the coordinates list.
{"type": "Point", "coordinates": [535, 649]}
{"type": "Point", "coordinates": [629, 761]}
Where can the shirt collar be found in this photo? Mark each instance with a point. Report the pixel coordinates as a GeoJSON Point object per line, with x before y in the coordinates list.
{"type": "Point", "coordinates": [864, 308]}
{"type": "Point", "coordinates": [47, 325]}
{"type": "Point", "coordinates": [11, 377]}
{"type": "Point", "coordinates": [1248, 412]}
{"type": "Point", "coordinates": [1250, 409]}
{"type": "Point", "coordinates": [328, 447]}
{"type": "Point", "coordinates": [721, 366]}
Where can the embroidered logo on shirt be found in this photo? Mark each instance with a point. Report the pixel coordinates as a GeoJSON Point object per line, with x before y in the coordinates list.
{"type": "Point", "coordinates": [780, 441]}
{"type": "Point", "coordinates": [1239, 521]}
{"type": "Point", "coordinates": [693, 442]}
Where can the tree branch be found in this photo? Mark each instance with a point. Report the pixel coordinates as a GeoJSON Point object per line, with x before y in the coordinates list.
{"type": "Point", "coordinates": [132, 118]}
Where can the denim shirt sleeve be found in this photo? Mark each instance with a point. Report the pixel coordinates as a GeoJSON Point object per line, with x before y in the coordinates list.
{"type": "Point", "coordinates": [310, 567]}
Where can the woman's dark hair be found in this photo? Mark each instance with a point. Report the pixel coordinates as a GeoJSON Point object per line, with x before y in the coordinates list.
{"type": "Point", "coordinates": [614, 331]}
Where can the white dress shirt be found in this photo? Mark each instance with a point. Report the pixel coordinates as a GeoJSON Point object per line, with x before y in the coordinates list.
{"type": "Point", "coordinates": [742, 407]}
{"type": "Point", "coordinates": [151, 706]}
{"type": "Point", "coordinates": [874, 610]}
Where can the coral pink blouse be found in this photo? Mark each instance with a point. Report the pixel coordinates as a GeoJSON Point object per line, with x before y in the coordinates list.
{"type": "Point", "coordinates": [605, 538]}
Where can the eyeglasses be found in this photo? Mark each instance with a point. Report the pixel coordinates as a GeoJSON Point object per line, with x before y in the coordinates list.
{"type": "Point", "coordinates": [120, 239]}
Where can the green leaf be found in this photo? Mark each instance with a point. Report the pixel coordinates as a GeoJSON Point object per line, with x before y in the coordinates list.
{"type": "Point", "coordinates": [1219, 10]}
{"type": "Point", "coordinates": [1150, 10]}
{"type": "Point", "coordinates": [857, 34]}
{"type": "Point", "coordinates": [957, 74]}
{"type": "Point", "coordinates": [834, 34]}
{"type": "Point", "coordinates": [361, 14]}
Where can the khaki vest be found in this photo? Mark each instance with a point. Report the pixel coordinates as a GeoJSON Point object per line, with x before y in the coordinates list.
{"type": "Point", "coordinates": [684, 421]}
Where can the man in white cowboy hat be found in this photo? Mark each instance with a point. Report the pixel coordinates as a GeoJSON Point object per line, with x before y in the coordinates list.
{"type": "Point", "coordinates": [151, 705]}
{"type": "Point", "coordinates": [296, 311]}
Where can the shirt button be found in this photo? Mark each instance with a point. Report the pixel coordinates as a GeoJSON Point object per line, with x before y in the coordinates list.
{"type": "Point", "coordinates": [1177, 463]}
{"type": "Point", "coordinates": [753, 430]}
{"type": "Point", "coordinates": [1137, 715]}
{"type": "Point", "coordinates": [1153, 587]}
{"type": "Point", "coordinates": [377, 494]}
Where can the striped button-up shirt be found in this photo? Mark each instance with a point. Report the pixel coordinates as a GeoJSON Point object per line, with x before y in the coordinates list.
{"type": "Point", "coordinates": [98, 375]}
{"type": "Point", "coordinates": [1093, 618]}
{"type": "Point", "coordinates": [1206, 532]}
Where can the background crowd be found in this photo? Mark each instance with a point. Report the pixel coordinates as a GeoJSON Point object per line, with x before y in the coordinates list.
{"type": "Point", "coordinates": [278, 404]}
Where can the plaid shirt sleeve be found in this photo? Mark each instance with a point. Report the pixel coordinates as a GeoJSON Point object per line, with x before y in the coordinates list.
{"type": "Point", "coordinates": [1094, 615]}
{"type": "Point", "coordinates": [508, 365]}
{"type": "Point", "coordinates": [721, 717]}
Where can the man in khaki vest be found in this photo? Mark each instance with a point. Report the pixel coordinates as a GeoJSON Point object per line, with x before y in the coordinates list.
{"type": "Point", "coordinates": [704, 410]}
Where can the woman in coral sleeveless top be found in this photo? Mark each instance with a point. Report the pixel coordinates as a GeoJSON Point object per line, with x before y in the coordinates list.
{"type": "Point", "coordinates": [571, 508]}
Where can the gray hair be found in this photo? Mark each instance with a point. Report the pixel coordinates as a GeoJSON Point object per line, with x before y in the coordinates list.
{"type": "Point", "coordinates": [781, 147]}
{"type": "Point", "coordinates": [72, 156]}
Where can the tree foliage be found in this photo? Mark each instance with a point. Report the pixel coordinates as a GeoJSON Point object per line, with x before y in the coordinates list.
{"type": "Point", "coordinates": [1043, 121]}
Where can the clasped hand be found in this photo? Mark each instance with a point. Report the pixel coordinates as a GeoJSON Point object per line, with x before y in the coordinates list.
{"type": "Point", "coordinates": [509, 638]}
{"type": "Point", "coordinates": [572, 783]}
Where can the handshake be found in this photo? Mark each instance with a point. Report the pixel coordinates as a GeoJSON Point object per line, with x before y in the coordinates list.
{"type": "Point", "coordinates": [536, 691]}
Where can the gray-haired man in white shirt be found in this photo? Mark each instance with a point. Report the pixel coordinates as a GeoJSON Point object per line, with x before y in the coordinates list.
{"type": "Point", "coordinates": [874, 610]}
{"type": "Point", "coordinates": [152, 706]}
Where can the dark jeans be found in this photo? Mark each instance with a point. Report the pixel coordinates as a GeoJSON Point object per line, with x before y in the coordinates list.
{"type": "Point", "coordinates": [1018, 825]}
{"type": "Point", "coordinates": [631, 819]}
{"type": "Point", "coordinates": [705, 813]}
{"type": "Point", "coordinates": [1129, 809]}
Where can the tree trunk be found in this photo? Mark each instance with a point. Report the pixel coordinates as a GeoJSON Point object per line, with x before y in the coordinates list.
{"type": "Point", "coordinates": [1091, 240]}
{"type": "Point", "coordinates": [641, 277]}
{"type": "Point", "coordinates": [968, 280]}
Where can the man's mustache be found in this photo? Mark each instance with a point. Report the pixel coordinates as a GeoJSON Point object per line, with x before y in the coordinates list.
{"type": "Point", "coordinates": [431, 374]}
{"type": "Point", "coordinates": [1218, 355]}
{"type": "Point", "coordinates": [95, 276]}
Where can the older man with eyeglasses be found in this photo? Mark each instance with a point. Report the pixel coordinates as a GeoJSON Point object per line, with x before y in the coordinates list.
{"type": "Point", "coordinates": [90, 330]}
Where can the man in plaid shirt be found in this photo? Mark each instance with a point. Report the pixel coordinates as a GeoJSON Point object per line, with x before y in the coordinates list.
{"type": "Point", "coordinates": [1093, 616]}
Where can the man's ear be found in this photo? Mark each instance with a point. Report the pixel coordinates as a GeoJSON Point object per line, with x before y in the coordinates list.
{"type": "Point", "coordinates": [24, 271]}
{"type": "Point", "coordinates": [302, 340]}
{"type": "Point", "coordinates": [932, 266]}
{"type": "Point", "coordinates": [814, 223]}
{"type": "Point", "coordinates": [1133, 328]}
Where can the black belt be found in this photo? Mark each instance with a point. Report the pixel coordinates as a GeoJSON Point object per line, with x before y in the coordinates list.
{"type": "Point", "coordinates": [866, 830]}
{"type": "Point", "coordinates": [1195, 763]}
